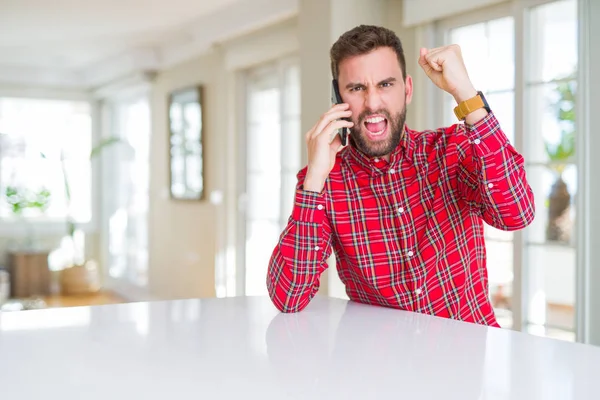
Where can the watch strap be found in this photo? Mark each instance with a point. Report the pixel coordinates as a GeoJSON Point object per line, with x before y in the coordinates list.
{"type": "Point", "coordinates": [466, 107]}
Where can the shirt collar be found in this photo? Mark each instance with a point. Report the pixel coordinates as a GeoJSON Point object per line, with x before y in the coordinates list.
{"type": "Point", "coordinates": [377, 166]}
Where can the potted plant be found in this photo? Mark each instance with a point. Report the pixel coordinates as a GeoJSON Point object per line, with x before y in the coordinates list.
{"type": "Point", "coordinates": [28, 263]}
{"type": "Point", "coordinates": [21, 199]}
{"type": "Point", "coordinates": [560, 155]}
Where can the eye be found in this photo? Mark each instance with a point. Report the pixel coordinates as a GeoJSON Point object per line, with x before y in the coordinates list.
{"type": "Point", "coordinates": [387, 84]}
{"type": "Point", "coordinates": [356, 88]}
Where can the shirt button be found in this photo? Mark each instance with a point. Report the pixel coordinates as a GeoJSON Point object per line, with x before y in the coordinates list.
{"type": "Point", "coordinates": [477, 141]}
{"type": "Point", "coordinates": [400, 210]}
{"type": "Point", "coordinates": [490, 185]}
{"type": "Point", "coordinates": [317, 248]}
{"type": "Point", "coordinates": [319, 207]}
{"type": "Point", "coordinates": [418, 291]}
{"type": "Point", "coordinates": [376, 160]}
{"type": "Point", "coordinates": [392, 170]}
{"type": "Point", "coordinates": [410, 253]}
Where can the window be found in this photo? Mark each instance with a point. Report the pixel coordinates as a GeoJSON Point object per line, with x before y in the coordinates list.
{"type": "Point", "coordinates": [272, 154]}
{"type": "Point", "coordinates": [126, 178]}
{"type": "Point", "coordinates": [542, 259]}
{"type": "Point", "coordinates": [550, 87]}
{"type": "Point", "coordinates": [38, 139]}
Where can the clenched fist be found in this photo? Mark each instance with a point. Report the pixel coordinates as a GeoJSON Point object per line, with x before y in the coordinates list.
{"type": "Point", "coordinates": [446, 68]}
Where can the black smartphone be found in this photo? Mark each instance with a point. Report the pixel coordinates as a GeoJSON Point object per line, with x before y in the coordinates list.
{"type": "Point", "coordinates": [336, 98]}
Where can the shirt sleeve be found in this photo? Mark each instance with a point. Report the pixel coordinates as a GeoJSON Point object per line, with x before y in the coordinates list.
{"type": "Point", "coordinates": [491, 176]}
{"type": "Point", "coordinates": [300, 256]}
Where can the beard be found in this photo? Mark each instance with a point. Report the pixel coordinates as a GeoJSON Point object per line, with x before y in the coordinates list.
{"type": "Point", "coordinates": [395, 126]}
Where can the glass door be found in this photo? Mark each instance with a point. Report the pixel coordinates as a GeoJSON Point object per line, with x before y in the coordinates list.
{"type": "Point", "coordinates": [272, 153]}
{"type": "Point", "coordinates": [550, 90]}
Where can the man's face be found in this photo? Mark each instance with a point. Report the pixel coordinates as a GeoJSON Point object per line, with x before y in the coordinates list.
{"type": "Point", "coordinates": [372, 85]}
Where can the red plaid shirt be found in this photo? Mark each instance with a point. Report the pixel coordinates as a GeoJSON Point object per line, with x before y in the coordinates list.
{"type": "Point", "coordinates": [407, 233]}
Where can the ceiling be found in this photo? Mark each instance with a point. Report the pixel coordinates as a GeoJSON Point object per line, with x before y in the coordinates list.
{"type": "Point", "coordinates": [85, 44]}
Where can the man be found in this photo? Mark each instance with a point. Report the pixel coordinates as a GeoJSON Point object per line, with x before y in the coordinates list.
{"type": "Point", "coordinates": [403, 210]}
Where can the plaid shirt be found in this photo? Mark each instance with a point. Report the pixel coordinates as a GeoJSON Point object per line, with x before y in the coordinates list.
{"type": "Point", "coordinates": [407, 233]}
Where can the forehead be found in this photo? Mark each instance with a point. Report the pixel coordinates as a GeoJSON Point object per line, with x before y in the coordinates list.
{"type": "Point", "coordinates": [380, 63]}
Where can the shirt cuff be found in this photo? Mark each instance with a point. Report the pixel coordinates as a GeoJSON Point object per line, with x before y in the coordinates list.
{"type": "Point", "coordinates": [487, 135]}
{"type": "Point", "coordinates": [309, 206]}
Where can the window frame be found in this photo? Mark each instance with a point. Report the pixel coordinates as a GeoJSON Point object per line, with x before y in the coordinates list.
{"type": "Point", "coordinates": [11, 228]}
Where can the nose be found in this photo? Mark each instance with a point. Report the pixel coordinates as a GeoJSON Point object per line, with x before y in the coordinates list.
{"type": "Point", "coordinates": [372, 100]}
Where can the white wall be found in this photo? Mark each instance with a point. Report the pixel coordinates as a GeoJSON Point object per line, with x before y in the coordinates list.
{"type": "Point", "coordinates": [417, 12]}
{"type": "Point", "coordinates": [182, 244]}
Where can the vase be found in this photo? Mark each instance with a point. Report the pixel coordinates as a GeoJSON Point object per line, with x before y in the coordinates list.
{"type": "Point", "coordinates": [559, 221]}
{"type": "Point", "coordinates": [80, 279]}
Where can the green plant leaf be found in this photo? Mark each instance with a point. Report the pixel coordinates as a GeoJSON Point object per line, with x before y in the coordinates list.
{"type": "Point", "coordinates": [17, 209]}
{"type": "Point", "coordinates": [564, 107]}
{"type": "Point", "coordinates": [11, 191]}
{"type": "Point", "coordinates": [103, 144]}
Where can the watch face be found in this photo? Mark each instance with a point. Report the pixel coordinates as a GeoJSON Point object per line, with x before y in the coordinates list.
{"type": "Point", "coordinates": [485, 103]}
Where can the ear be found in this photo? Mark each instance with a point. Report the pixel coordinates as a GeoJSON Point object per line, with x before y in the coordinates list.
{"type": "Point", "coordinates": [408, 87]}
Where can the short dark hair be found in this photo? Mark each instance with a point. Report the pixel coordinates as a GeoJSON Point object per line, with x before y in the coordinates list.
{"type": "Point", "coordinates": [362, 40]}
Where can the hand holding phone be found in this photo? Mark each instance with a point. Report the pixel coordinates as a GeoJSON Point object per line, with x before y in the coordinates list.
{"type": "Point", "coordinates": [323, 145]}
{"type": "Point", "coordinates": [336, 98]}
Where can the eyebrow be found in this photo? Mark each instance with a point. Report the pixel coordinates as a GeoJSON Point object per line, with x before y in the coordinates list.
{"type": "Point", "coordinates": [387, 80]}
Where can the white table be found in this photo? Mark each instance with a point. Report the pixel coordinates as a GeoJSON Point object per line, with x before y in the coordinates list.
{"type": "Point", "coordinates": [242, 348]}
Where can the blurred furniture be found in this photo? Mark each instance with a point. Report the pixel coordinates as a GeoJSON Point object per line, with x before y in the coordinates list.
{"type": "Point", "coordinates": [29, 274]}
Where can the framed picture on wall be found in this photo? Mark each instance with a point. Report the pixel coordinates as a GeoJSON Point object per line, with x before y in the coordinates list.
{"type": "Point", "coordinates": [186, 157]}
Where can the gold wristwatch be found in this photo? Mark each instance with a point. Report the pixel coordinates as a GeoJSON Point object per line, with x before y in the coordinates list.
{"type": "Point", "coordinates": [466, 107]}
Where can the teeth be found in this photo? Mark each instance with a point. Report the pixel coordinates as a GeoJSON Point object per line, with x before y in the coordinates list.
{"type": "Point", "coordinates": [375, 120]}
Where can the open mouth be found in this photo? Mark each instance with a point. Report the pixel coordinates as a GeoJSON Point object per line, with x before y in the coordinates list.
{"type": "Point", "coordinates": [376, 126]}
